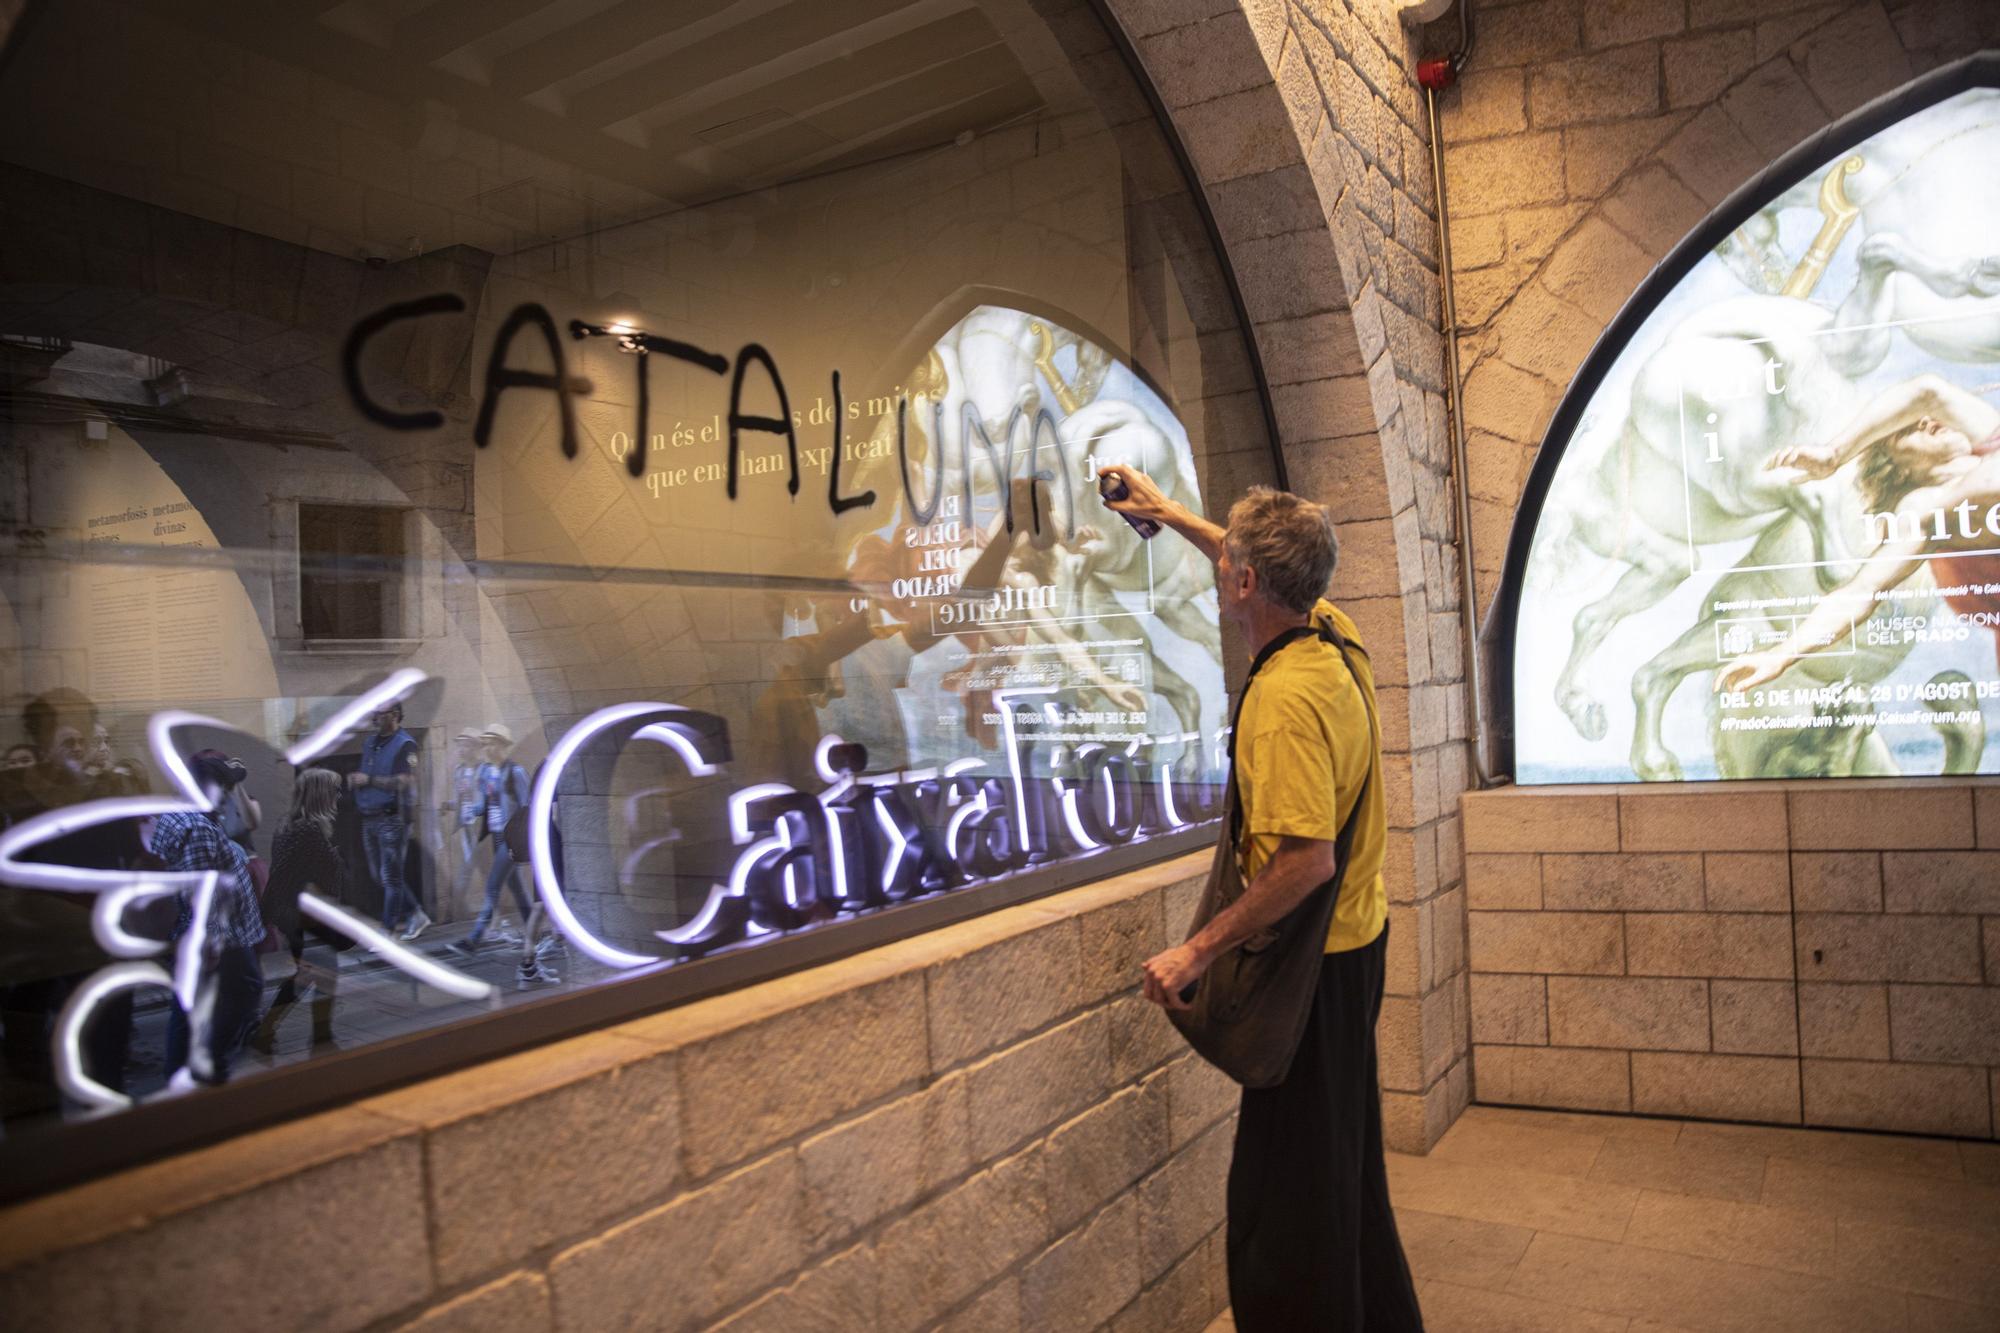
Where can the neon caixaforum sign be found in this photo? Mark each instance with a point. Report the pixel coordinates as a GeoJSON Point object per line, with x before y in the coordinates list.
{"type": "Point", "coordinates": [864, 842]}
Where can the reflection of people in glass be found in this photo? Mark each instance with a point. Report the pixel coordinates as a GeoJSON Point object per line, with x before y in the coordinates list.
{"type": "Point", "coordinates": [1930, 477]}
{"type": "Point", "coordinates": [99, 757]}
{"type": "Point", "coordinates": [304, 859]}
{"type": "Point", "coordinates": [232, 983]}
{"type": "Point", "coordinates": [18, 756]}
{"type": "Point", "coordinates": [47, 947]}
{"type": "Point", "coordinates": [240, 815]}
{"type": "Point", "coordinates": [462, 814]}
{"type": "Point", "coordinates": [533, 969]}
{"type": "Point", "coordinates": [382, 791]}
{"type": "Point", "coordinates": [502, 787]}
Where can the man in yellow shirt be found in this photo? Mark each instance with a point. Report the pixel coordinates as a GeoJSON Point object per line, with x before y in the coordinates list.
{"type": "Point", "coordinates": [1312, 1241]}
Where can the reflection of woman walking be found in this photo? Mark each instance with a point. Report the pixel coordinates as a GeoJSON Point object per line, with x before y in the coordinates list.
{"type": "Point", "coordinates": [503, 789]}
{"type": "Point", "coordinates": [304, 858]}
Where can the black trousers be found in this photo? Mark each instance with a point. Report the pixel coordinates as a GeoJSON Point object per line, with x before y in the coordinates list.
{"type": "Point", "coordinates": [1312, 1240]}
{"type": "Point", "coordinates": [238, 982]}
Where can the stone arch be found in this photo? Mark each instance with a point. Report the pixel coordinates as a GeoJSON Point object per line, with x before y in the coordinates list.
{"type": "Point", "coordinates": [1306, 133]}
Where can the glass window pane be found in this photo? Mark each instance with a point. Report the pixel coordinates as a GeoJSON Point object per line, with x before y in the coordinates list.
{"type": "Point", "coordinates": [515, 501]}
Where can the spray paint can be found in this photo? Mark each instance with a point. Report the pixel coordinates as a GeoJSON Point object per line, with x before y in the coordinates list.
{"type": "Point", "coordinates": [1113, 487]}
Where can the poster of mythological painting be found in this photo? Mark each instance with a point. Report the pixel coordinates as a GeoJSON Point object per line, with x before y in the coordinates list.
{"type": "Point", "coordinates": [1772, 546]}
{"type": "Point", "coordinates": [990, 589]}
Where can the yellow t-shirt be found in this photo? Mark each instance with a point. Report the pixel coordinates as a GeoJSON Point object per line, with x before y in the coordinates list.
{"type": "Point", "coordinates": [1304, 742]}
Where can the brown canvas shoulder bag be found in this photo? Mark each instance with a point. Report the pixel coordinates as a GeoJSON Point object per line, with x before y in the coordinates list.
{"type": "Point", "coordinates": [1249, 1009]}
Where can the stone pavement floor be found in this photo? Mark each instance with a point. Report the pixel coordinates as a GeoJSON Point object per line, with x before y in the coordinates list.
{"type": "Point", "coordinates": [1547, 1222]}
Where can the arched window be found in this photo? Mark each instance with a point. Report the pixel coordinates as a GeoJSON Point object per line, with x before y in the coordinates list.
{"type": "Point", "coordinates": [1755, 543]}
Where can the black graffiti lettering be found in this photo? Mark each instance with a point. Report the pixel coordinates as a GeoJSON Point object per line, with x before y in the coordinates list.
{"type": "Point", "coordinates": [442, 303]}
{"type": "Point", "coordinates": [501, 377]}
{"type": "Point", "coordinates": [1044, 420]}
{"type": "Point", "coordinates": [922, 513]}
{"type": "Point", "coordinates": [643, 345]}
{"type": "Point", "coordinates": [740, 421]}
{"type": "Point", "coordinates": [841, 504]}
{"type": "Point", "coordinates": [1003, 464]}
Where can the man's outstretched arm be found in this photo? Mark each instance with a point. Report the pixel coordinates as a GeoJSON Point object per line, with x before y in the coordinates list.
{"type": "Point", "coordinates": [1144, 499]}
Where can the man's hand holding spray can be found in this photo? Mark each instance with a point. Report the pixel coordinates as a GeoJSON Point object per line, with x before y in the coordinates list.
{"type": "Point", "coordinates": [1113, 487]}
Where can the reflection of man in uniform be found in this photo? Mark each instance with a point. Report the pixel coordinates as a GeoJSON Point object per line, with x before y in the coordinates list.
{"type": "Point", "coordinates": [1312, 1240]}
{"type": "Point", "coordinates": [382, 786]}
{"type": "Point", "coordinates": [1930, 477]}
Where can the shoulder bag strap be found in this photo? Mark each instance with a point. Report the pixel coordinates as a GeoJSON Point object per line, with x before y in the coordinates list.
{"type": "Point", "coordinates": [1265, 654]}
{"type": "Point", "coordinates": [1344, 841]}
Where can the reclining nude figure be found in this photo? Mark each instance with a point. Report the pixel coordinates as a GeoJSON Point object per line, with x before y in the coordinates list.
{"type": "Point", "coordinates": [1925, 274]}
{"type": "Point", "coordinates": [1930, 474]}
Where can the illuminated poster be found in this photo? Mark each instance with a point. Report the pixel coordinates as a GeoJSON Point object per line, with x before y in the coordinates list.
{"type": "Point", "coordinates": [1768, 539]}
{"type": "Point", "coordinates": [1121, 631]}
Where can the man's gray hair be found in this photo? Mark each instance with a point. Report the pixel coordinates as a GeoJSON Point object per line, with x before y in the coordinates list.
{"type": "Point", "coordinates": [1289, 541]}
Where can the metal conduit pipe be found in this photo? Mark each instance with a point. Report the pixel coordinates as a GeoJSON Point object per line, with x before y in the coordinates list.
{"type": "Point", "coordinates": [1435, 76]}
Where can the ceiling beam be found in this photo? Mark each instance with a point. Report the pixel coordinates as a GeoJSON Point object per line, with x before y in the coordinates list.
{"type": "Point", "coordinates": [746, 46]}
{"type": "Point", "coordinates": [441, 28]}
{"type": "Point", "coordinates": [568, 52]}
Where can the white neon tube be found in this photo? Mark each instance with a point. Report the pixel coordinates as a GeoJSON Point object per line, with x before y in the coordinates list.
{"type": "Point", "coordinates": [1167, 806]}
{"type": "Point", "coordinates": [837, 845]}
{"type": "Point", "coordinates": [683, 741]}
{"type": "Point", "coordinates": [421, 966]}
{"type": "Point", "coordinates": [541, 803]}
{"type": "Point", "coordinates": [107, 918]}
{"type": "Point", "coordinates": [187, 962]}
{"type": "Point", "coordinates": [352, 714]}
{"type": "Point", "coordinates": [53, 824]}
{"type": "Point", "coordinates": [1071, 816]}
{"type": "Point", "coordinates": [741, 801]}
{"type": "Point", "coordinates": [69, 1071]}
{"type": "Point", "coordinates": [896, 859]}
{"type": "Point", "coordinates": [160, 728]}
{"type": "Point", "coordinates": [821, 764]}
{"type": "Point", "coordinates": [1005, 698]}
{"type": "Point", "coordinates": [976, 806]}
{"type": "Point", "coordinates": [738, 887]}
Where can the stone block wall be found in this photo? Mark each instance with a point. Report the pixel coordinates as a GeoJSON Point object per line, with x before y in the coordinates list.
{"type": "Point", "coordinates": [1819, 955]}
{"type": "Point", "coordinates": [1307, 131]}
{"type": "Point", "coordinates": [982, 1127]}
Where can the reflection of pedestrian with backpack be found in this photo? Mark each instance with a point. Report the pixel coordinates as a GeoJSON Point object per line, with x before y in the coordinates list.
{"type": "Point", "coordinates": [231, 988]}
{"type": "Point", "coordinates": [502, 786]}
{"type": "Point", "coordinates": [533, 969]}
{"type": "Point", "coordinates": [464, 814]}
{"type": "Point", "coordinates": [304, 859]}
